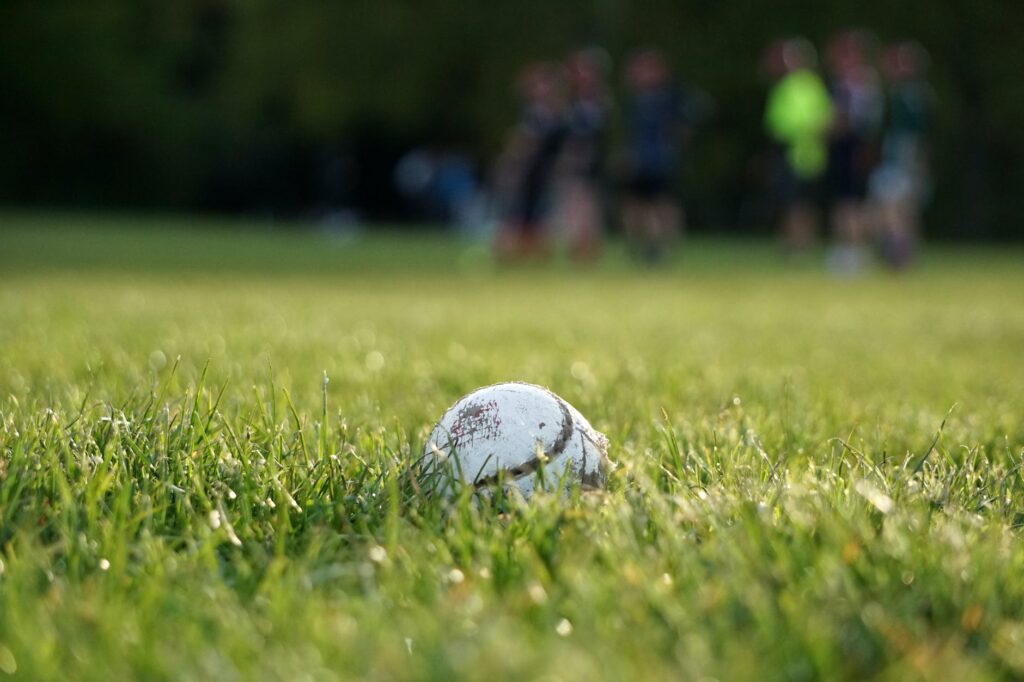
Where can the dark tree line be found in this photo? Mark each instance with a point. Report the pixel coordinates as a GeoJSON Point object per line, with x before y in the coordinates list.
{"type": "Point", "coordinates": [284, 105]}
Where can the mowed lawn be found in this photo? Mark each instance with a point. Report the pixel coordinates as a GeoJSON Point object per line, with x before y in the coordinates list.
{"type": "Point", "coordinates": [815, 478]}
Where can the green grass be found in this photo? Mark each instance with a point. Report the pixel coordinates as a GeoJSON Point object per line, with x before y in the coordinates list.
{"type": "Point", "coordinates": [816, 479]}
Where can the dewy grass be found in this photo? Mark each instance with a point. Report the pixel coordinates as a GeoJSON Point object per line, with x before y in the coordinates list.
{"type": "Point", "coordinates": [815, 479]}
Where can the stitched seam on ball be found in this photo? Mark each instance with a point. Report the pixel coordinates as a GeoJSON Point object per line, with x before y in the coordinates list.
{"type": "Point", "coordinates": [567, 422]}
{"type": "Point", "coordinates": [531, 465]}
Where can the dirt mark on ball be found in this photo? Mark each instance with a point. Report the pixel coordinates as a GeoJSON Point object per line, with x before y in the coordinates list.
{"type": "Point", "coordinates": [476, 420]}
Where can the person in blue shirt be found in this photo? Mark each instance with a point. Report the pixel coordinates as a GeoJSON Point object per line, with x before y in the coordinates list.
{"type": "Point", "coordinates": [659, 115]}
{"type": "Point", "coordinates": [858, 104]}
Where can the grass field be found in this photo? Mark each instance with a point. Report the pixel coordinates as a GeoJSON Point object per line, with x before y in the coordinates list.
{"type": "Point", "coordinates": [816, 479]}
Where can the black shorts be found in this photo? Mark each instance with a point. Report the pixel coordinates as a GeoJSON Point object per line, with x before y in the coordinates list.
{"type": "Point", "coordinates": [650, 185]}
{"type": "Point", "coordinates": [530, 205]}
{"type": "Point", "coordinates": [794, 189]}
{"type": "Point", "coordinates": [848, 168]}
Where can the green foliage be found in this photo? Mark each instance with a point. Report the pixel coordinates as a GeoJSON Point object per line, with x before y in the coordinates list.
{"type": "Point", "coordinates": [815, 479]}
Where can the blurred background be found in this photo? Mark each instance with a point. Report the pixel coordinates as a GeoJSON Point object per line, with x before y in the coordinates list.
{"type": "Point", "coordinates": [339, 111]}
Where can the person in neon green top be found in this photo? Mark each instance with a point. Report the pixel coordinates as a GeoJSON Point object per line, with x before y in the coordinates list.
{"type": "Point", "coordinates": [798, 116]}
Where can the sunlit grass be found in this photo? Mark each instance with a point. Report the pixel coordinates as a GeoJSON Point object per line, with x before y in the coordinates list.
{"type": "Point", "coordinates": [816, 478]}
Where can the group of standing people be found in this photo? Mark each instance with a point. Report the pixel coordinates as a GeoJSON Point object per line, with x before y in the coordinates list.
{"type": "Point", "coordinates": [854, 141]}
{"type": "Point", "coordinates": [553, 176]}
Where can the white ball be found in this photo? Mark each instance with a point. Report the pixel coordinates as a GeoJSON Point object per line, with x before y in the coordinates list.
{"type": "Point", "coordinates": [519, 432]}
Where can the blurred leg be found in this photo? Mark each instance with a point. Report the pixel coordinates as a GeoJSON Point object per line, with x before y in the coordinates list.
{"type": "Point", "coordinates": [799, 227]}
{"type": "Point", "coordinates": [900, 232]}
{"type": "Point", "coordinates": [633, 223]}
{"type": "Point", "coordinates": [671, 220]}
{"type": "Point", "coordinates": [848, 255]}
{"type": "Point", "coordinates": [584, 222]}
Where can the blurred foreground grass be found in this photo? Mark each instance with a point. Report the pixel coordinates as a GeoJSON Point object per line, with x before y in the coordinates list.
{"type": "Point", "coordinates": [816, 478]}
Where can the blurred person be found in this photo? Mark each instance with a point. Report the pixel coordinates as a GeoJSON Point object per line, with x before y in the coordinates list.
{"type": "Point", "coordinates": [900, 185]}
{"type": "Point", "coordinates": [658, 117]}
{"type": "Point", "coordinates": [798, 115]}
{"type": "Point", "coordinates": [413, 176]}
{"type": "Point", "coordinates": [581, 164]}
{"type": "Point", "coordinates": [526, 166]}
{"type": "Point", "coordinates": [441, 185]}
{"type": "Point", "coordinates": [457, 189]}
{"type": "Point", "coordinates": [858, 104]}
